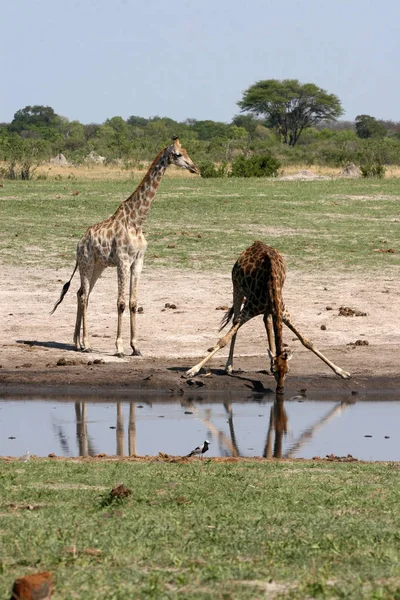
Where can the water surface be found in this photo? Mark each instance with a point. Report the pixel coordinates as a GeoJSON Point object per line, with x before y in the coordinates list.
{"type": "Point", "coordinates": [366, 429]}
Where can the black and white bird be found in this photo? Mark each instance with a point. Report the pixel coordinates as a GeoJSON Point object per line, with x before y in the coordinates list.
{"type": "Point", "coordinates": [200, 449]}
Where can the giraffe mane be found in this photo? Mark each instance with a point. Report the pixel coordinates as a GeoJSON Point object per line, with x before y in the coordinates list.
{"type": "Point", "coordinates": [157, 158]}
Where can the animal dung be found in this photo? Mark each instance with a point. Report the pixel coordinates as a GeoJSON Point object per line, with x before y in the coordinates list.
{"type": "Point", "coordinates": [346, 311]}
{"type": "Point", "coordinates": [30, 587]}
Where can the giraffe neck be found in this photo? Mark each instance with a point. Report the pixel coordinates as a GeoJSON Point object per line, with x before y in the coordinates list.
{"type": "Point", "coordinates": [137, 205]}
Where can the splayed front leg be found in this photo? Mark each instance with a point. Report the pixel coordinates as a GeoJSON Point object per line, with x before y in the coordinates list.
{"type": "Point", "coordinates": [220, 344]}
{"type": "Point", "coordinates": [310, 346]}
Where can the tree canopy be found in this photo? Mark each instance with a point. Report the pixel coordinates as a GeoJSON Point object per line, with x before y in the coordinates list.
{"type": "Point", "coordinates": [289, 107]}
{"type": "Point", "coordinates": [369, 127]}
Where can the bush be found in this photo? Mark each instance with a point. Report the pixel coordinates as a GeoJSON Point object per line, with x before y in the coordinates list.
{"type": "Point", "coordinates": [209, 170]}
{"type": "Point", "coordinates": [373, 170]}
{"type": "Point", "coordinates": [255, 166]}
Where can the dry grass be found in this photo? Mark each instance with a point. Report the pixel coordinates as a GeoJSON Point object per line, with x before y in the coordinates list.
{"type": "Point", "coordinates": [391, 170]}
{"type": "Point", "coordinates": [116, 173]}
{"type": "Point", "coordinates": [104, 172]}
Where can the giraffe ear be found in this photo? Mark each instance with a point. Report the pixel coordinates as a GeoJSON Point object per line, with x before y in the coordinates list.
{"type": "Point", "coordinates": [288, 355]}
{"type": "Point", "coordinates": [177, 144]}
{"type": "Point", "coordinates": [270, 355]}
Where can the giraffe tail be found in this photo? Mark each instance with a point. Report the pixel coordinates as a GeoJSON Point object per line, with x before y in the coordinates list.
{"type": "Point", "coordinates": [226, 318]}
{"type": "Point", "coordinates": [64, 290]}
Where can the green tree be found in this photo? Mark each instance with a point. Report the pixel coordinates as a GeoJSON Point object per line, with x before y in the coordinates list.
{"type": "Point", "coordinates": [119, 134]}
{"type": "Point", "coordinates": [35, 117]}
{"type": "Point", "coordinates": [249, 122]}
{"type": "Point", "coordinates": [289, 107]}
{"type": "Point", "coordinates": [369, 127]}
{"type": "Point", "coordinates": [73, 135]}
{"type": "Point", "coordinates": [208, 130]}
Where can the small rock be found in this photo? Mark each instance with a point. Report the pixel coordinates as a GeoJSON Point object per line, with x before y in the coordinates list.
{"type": "Point", "coordinates": [329, 307]}
{"type": "Point", "coordinates": [61, 362]}
{"type": "Point", "coordinates": [368, 436]}
{"type": "Point", "coordinates": [323, 327]}
{"type": "Point", "coordinates": [223, 307]}
{"type": "Point", "coordinates": [98, 361]}
{"type": "Point", "coordinates": [140, 309]}
{"type": "Point", "coordinates": [188, 412]}
{"type": "Point", "coordinates": [171, 246]}
{"type": "Point", "coordinates": [387, 437]}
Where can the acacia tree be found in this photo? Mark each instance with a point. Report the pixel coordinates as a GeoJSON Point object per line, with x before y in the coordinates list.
{"type": "Point", "coordinates": [289, 107]}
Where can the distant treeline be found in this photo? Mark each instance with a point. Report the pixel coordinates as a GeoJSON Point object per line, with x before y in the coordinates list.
{"type": "Point", "coordinates": [37, 133]}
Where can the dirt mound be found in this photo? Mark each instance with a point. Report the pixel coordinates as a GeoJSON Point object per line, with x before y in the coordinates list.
{"type": "Point", "coordinates": [59, 161]}
{"type": "Point", "coordinates": [94, 158]}
{"type": "Point", "coordinates": [350, 171]}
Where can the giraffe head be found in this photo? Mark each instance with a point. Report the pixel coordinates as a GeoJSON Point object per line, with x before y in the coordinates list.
{"type": "Point", "coordinates": [179, 157]}
{"type": "Point", "coordinates": [280, 367]}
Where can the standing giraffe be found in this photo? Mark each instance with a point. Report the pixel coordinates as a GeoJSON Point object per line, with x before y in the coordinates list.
{"type": "Point", "coordinates": [119, 242]}
{"type": "Point", "coordinates": [258, 277]}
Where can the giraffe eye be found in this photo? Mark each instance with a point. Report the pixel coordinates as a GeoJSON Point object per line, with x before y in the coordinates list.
{"type": "Point", "coordinates": [177, 155]}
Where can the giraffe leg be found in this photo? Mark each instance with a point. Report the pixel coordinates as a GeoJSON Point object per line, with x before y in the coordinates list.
{"type": "Point", "coordinates": [83, 299]}
{"type": "Point", "coordinates": [96, 272]}
{"type": "Point", "coordinates": [308, 344]}
{"type": "Point", "coordinates": [78, 323]}
{"type": "Point", "coordinates": [122, 272]}
{"type": "Point", "coordinates": [269, 326]}
{"type": "Point", "coordinates": [220, 344]}
{"type": "Point", "coordinates": [248, 312]}
{"type": "Point", "coordinates": [136, 270]}
{"type": "Point", "coordinates": [237, 305]}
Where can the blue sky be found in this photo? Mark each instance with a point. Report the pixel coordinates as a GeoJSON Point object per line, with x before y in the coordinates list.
{"type": "Point", "coordinates": [95, 59]}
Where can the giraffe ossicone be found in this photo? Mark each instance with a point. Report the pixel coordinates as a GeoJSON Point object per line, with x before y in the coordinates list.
{"type": "Point", "coordinates": [258, 277]}
{"type": "Point", "coordinates": [119, 242]}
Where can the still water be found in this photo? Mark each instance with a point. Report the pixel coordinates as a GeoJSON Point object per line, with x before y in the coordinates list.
{"type": "Point", "coordinates": [301, 428]}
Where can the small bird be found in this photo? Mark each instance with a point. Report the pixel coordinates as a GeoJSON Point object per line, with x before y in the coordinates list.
{"type": "Point", "coordinates": [200, 449]}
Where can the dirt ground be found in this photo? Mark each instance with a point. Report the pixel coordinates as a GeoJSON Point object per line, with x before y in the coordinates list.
{"type": "Point", "coordinates": [37, 356]}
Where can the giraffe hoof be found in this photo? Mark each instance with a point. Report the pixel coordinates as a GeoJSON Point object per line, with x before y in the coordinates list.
{"type": "Point", "coordinates": [86, 350]}
{"type": "Point", "coordinates": [189, 373]}
{"type": "Point", "coordinates": [136, 353]}
{"type": "Point", "coordinates": [120, 354]}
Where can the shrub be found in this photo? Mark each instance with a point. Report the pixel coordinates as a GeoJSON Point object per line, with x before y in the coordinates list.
{"type": "Point", "coordinates": [209, 170]}
{"type": "Point", "coordinates": [373, 170]}
{"type": "Point", "coordinates": [255, 166]}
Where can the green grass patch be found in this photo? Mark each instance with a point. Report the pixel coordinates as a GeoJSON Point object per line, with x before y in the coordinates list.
{"type": "Point", "coordinates": [339, 224]}
{"type": "Point", "coordinates": [203, 529]}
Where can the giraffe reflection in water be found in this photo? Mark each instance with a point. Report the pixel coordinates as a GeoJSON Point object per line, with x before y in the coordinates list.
{"type": "Point", "coordinates": [228, 444]}
{"type": "Point", "coordinates": [85, 445]}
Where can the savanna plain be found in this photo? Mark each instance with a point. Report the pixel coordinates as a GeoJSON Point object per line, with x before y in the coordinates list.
{"type": "Point", "coordinates": [201, 528]}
